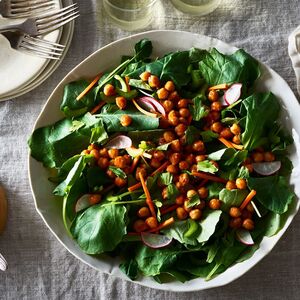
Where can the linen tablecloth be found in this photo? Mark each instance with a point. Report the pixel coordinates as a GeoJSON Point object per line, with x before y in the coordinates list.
{"type": "Point", "coordinates": [39, 266]}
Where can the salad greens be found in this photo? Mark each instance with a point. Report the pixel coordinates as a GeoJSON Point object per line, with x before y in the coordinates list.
{"type": "Point", "coordinates": [185, 198]}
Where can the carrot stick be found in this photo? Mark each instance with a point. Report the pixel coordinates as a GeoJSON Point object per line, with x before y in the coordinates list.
{"type": "Point", "coordinates": [127, 83]}
{"type": "Point", "coordinates": [162, 225]}
{"type": "Point", "coordinates": [97, 107]}
{"type": "Point", "coordinates": [89, 87]}
{"type": "Point", "coordinates": [222, 86]}
{"type": "Point", "coordinates": [203, 183]}
{"type": "Point", "coordinates": [138, 185]}
{"type": "Point", "coordinates": [166, 210]}
{"type": "Point", "coordinates": [248, 199]}
{"type": "Point", "coordinates": [148, 196]}
{"type": "Point", "coordinates": [209, 177]}
{"type": "Point", "coordinates": [229, 144]}
{"type": "Point", "coordinates": [134, 163]}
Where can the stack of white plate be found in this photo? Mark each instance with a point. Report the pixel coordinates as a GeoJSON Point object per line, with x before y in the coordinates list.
{"type": "Point", "coordinates": [20, 73]}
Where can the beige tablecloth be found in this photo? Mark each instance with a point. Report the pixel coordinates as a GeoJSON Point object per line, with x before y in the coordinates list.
{"type": "Point", "coordinates": [39, 266]}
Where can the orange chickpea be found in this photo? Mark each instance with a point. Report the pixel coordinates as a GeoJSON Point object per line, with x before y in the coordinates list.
{"type": "Point", "coordinates": [120, 182]}
{"type": "Point", "coordinates": [162, 94]}
{"type": "Point", "coordinates": [168, 105]}
{"type": "Point", "coordinates": [174, 96]}
{"type": "Point", "coordinates": [180, 200]}
{"type": "Point", "coordinates": [85, 152]}
{"type": "Point", "coordinates": [103, 162]}
{"type": "Point", "coordinates": [180, 129]}
{"type": "Point", "coordinates": [113, 153]}
{"type": "Point", "coordinates": [109, 90]}
{"type": "Point", "coordinates": [155, 163]}
{"type": "Point", "coordinates": [258, 157]}
{"type": "Point", "coordinates": [153, 81]}
{"type": "Point", "coordinates": [203, 192]}
{"type": "Point", "coordinates": [214, 204]}
{"type": "Point", "coordinates": [226, 133]}
{"type": "Point", "coordinates": [183, 103]}
{"type": "Point", "coordinates": [173, 120]}
{"type": "Point", "coordinates": [175, 158]}
{"type": "Point", "coordinates": [191, 193]}
{"type": "Point", "coordinates": [170, 86]}
{"type": "Point", "coordinates": [172, 169]}
{"type": "Point", "coordinates": [145, 76]}
{"type": "Point", "coordinates": [200, 158]}
{"type": "Point", "coordinates": [217, 106]}
{"type": "Point", "coordinates": [214, 115]}
{"type": "Point", "coordinates": [235, 129]}
{"type": "Point", "coordinates": [249, 167]}
{"type": "Point", "coordinates": [250, 208]}
{"type": "Point", "coordinates": [195, 214]}
{"type": "Point", "coordinates": [216, 127]}
{"type": "Point", "coordinates": [184, 165]}
{"type": "Point", "coordinates": [120, 162]}
{"type": "Point", "coordinates": [125, 120]}
{"type": "Point", "coordinates": [140, 225]}
{"type": "Point", "coordinates": [94, 199]}
{"type": "Point", "coordinates": [194, 168]}
{"type": "Point", "coordinates": [269, 156]}
{"type": "Point", "coordinates": [121, 102]}
{"type": "Point", "coordinates": [236, 139]}
{"type": "Point", "coordinates": [198, 146]}
{"type": "Point", "coordinates": [181, 213]}
{"type": "Point", "coordinates": [184, 112]}
{"type": "Point", "coordinates": [213, 96]}
{"type": "Point", "coordinates": [241, 183]}
{"type": "Point", "coordinates": [184, 179]}
{"type": "Point", "coordinates": [144, 212]}
{"type": "Point", "coordinates": [159, 155]}
{"type": "Point", "coordinates": [235, 212]}
{"type": "Point", "coordinates": [176, 146]}
{"type": "Point", "coordinates": [185, 206]}
{"type": "Point", "coordinates": [235, 223]}
{"type": "Point", "coordinates": [111, 174]}
{"type": "Point", "coordinates": [248, 224]}
{"type": "Point", "coordinates": [103, 152]}
{"type": "Point", "coordinates": [230, 185]}
{"type": "Point", "coordinates": [151, 222]}
{"type": "Point", "coordinates": [190, 159]}
{"type": "Point", "coordinates": [169, 136]}
{"type": "Point", "coordinates": [95, 153]}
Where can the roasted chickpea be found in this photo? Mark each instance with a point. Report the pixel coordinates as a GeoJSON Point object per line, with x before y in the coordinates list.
{"type": "Point", "coordinates": [103, 162]}
{"type": "Point", "coordinates": [113, 153]}
{"type": "Point", "coordinates": [155, 163]}
{"type": "Point", "coordinates": [127, 159]}
{"type": "Point", "coordinates": [145, 76]}
{"type": "Point", "coordinates": [120, 182]}
{"type": "Point", "coordinates": [95, 153]}
{"type": "Point", "coordinates": [140, 225]}
{"type": "Point", "coordinates": [153, 81]}
{"type": "Point", "coordinates": [216, 127]}
{"type": "Point", "coordinates": [144, 212]}
{"type": "Point", "coordinates": [159, 155]}
{"type": "Point", "coordinates": [121, 102]}
{"type": "Point", "coordinates": [248, 224]}
{"type": "Point", "coordinates": [184, 165]}
{"type": "Point", "coordinates": [169, 136]}
{"type": "Point", "coordinates": [173, 120]}
{"type": "Point", "coordinates": [194, 168]}
{"type": "Point", "coordinates": [138, 171]}
{"type": "Point", "coordinates": [175, 158]}
{"type": "Point", "coordinates": [191, 193]}
{"type": "Point", "coordinates": [120, 162]}
{"type": "Point", "coordinates": [172, 169]}
{"type": "Point", "coordinates": [198, 146]}
{"type": "Point", "coordinates": [176, 146]}
{"type": "Point", "coordinates": [95, 198]}
{"type": "Point", "coordinates": [109, 90]}
{"type": "Point", "coordinates": [246, 214]}
{"type": "Point", "coordinates": [249, 167]}
{"type": "Point", "coordinates": [235, 129]}
{"type": "Point", "coordinates": [184, 112]}
{"type": "Point", "coordinates": [184, 178]}
{"type": "Point", "coordinates": [110, 174]}
{"type": "Point", "coordinates": [174, 96]}
{"type": "Point", "coordinates": [103, 152]}
{"type": "Point", "coordinates": [163, 123]}
{"type": "Point", "coordinates": [241, 183]}
{"type": "Point", "coordinates": [85, 152]}
{"type": "Point", "coordinates": [235, 223]}
{"type": "Point", "coordinates": [168, 105]}
{"type": "Point", "coordinates": [236, 139]}
{"type": "Point", "coordinates": [258, 157]}
{"type": "Point", "coordinates": [195, 214]}
{"type": "Point", "coordinates": [250, 208]}
{"type": "Point", "coordinates": [125, 120]}
{"type": "Point", "coordinates": [151, 222]}
{"type": "Point", "coordinates": [230, 185]}
{"type": "Point", "coordinates": [214, 115]}
{"type": "Point", "coordinates": [214, 204]}
{"type": "Point", "coordinates": [185, 206]}
{"type": "Point", "coordinates": [181, 213]}
{"type": "Point", "coordinates": [170, 86]}
{"type": "Point", "coordinates": [226, 134]}
{"type": "Point", "coordinates": [183, 103]}
{"type": "Point", "coordinates": [180, 200]}
{"type": "Point", "coordinates": [269, 156]}
{"type": "Point", "coordinates": [183, 121]}
{"type": "Point", "coordinates": [203, 192]}
{"type": "Point", "coordinates": [217, 106]}
{"type": "Point", "coordinates": [235, 212]}
{"type": "Point", "coordinates": [162, 94]}
{"type": "Point", "coordinates": [180, 129]}
{"type": "Point", "coordinates": [190, 158]}
{"type": "Point", "coordinates": [213, 96]}
{"type": "Point", "coordinates": [201, 205]}
{"type": "Point", "coordinates": [200, 158]}
{"type": "Point", "coordinates": [260, 149]}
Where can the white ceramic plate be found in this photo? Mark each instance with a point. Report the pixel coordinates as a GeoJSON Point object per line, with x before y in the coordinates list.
{"type": "Point", "coordinates": [37, 70]}
{"type": "Point", "coordinates": [163, 42]}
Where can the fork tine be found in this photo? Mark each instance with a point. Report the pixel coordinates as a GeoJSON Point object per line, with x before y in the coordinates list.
{"type": "Point", "coordinates": [43, 44]}
{"type": "Point", "coordinates": [26, 4]}
{"type": "Point", "coordinates": [39, 51]}
{"type": "Point", "coordinates": [34, 53]}
{"type": "Point", "coordinates": [39, 40]}
{"type": "Point", "coordinates": [58, 24]}
{"type": "Point", "coordinates": [46, 16]}
{"type": "Point", "coordinates": [28, 9]}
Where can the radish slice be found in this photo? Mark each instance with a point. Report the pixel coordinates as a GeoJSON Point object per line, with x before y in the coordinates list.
{"type": "Point", "coordinates": [244, 237]}
{"type": "Point", "coordinates": [119, 142]}
{"type": "Point", "coordinates": [155, 241]}
{"type": "Point", "coordinates": [267, 168]}
{"type": "Point", "coordinates": [233, 94]}
{"type": "Point", "coordinates": [158, 107]}
{"type": "Point", "coordinates": [222, 101]}
{"type": "Point", "coordinates": [83, 202]}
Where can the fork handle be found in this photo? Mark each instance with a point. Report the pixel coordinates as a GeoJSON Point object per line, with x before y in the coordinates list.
{"type": "Point", "coordinates": [12, 24]}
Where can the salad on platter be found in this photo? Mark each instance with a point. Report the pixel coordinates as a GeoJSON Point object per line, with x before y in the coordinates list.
{"type": "Point", "coordinates": [173, 163]}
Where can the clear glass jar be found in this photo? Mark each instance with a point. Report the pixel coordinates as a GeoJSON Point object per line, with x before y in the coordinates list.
{"type": "Point", "coordinates": [196, 7]}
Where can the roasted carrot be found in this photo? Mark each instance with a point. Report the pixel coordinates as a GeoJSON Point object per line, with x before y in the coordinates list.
{"type": "Point", "coordinates": [209, 177]}
{"type": "Point", "coordinates": [162, 225]}
{"type": "Point", "coordinates": [127, 83]}
{"type": "Point", "coordinates": [203, 183]}
{"type": "Point", "coordinates": [248, 199]}
{"type": "Point", "coordinates": [134, 163]}
{"type": "Point", "coordinates": [222, 86]}
{"type": "Point", "coordinates": [97, 107]}
{"type": "Point", "coordinates": [89, 87]}
{"type": "Point", "coordinates": [229, 144]}
{"type": "Point", "coordinates": [148, 196]}
{"type": "Point", "coordinates": [166, 210]}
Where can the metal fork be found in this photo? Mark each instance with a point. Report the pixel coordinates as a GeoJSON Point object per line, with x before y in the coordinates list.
{"type": "Point", "coordinates": [24, 8]}
{"type": "Point", "coordinates": [3, 263]}
{"type": "Point", "coordinates": [41, 24]}
{"type": "Point", "coordinates": [34, 45]}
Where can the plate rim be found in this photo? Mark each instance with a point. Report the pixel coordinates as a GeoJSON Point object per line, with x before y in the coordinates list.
{"type": "Point", "coordinates": [180, 287]}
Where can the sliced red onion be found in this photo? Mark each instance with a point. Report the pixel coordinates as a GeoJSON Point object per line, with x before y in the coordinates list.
{"type": "Point", "coordinates": [83, 202]}
{"type": "Point", "coordinates": [157, 106]}
{"type": "Point", "coordinates": [119, 142]}
{"type": "Point", "coordinates": [244, 237]}
{"type": "Point", "coordinates": [145, 93]}
{"type": "Point", "coordinates": [155, 241]}
{"type": "Point", "coordinates": [233, 94]}
{"type": "Point", "coordinates": [267, 168]}
{"type": "Point", "coordinates": [146, 105]}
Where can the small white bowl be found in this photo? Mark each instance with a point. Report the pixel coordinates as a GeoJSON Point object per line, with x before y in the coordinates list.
{"type": "Point", "coordinates": [108, 57]}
